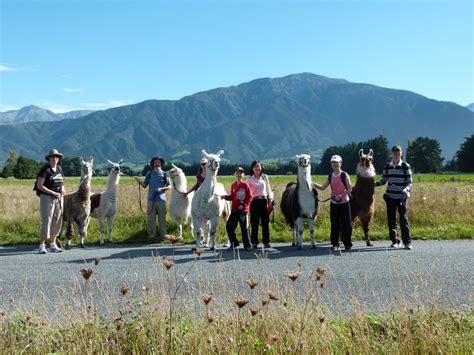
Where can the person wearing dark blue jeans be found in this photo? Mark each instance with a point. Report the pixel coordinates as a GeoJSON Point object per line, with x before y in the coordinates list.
{"type": "Point", "coordinates": [238, 217]}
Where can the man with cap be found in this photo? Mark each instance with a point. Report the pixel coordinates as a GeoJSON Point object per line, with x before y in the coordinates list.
{"type": "Point", "coordinates": [158, 184]}
{"type": "Point", "coordinates": [397, 174]}
{"type": "Point", "coordinates": [50, 189]}
{"type": "Point", "coordinates": [241, 196]}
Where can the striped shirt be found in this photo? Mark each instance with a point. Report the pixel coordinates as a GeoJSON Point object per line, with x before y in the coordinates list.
{"type": "Point", "coordinates": [399, 177]}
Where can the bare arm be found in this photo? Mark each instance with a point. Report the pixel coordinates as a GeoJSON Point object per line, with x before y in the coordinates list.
{"type": "Point", "coordinates": [323, 186]}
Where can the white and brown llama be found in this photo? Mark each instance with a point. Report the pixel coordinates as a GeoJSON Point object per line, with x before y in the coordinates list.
{"type": "Point", "coordinates": [77, 205]}
{"type": "Point", "coordinates": [207, 204]}
{"type": "Point", "coordinates": [180, 202]}
{"type": "Point", "coordinates": [362, 202]}
{"type": "Point", "coordinates": [300, 201]}
{"type": "Point", "coordinates": [104, 204]}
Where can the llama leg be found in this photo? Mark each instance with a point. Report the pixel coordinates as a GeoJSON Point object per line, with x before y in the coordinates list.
{"type": "Point", "coordinates": [110, 223]}
{"type": "Point", "coordinates": [299, 223]}
{"type": "Point", "coordinates": [197, 224]}
{"type": "Point", "coordinates": [365, 226]}
{"type": "Point", "coordinates": [101, 228]}
{"type": "Point", "coordinates": [180, 229]}
{"type": "Point", "coordinates": [293, 236]}
{"type": "Point", "coordinates": [213, 222]}
{"type": "Point", "coordinates": [311, 232]}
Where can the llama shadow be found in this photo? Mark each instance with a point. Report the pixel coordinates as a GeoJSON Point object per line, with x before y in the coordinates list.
{"type": "Point", "coordinates": [18, 250]}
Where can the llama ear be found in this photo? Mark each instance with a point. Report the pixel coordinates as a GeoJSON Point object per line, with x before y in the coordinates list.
{"type": "Point", "coordinates": [108, 161]}
{"type": "Point", "coordinates": [120, 162]}
{"type": "Point", "coordinates": [361, 153]}
{"type": "Point", "coordinates": [82, 161]}
{"type": "Point", "coordinates": [371, 152]}
{"type": "Point", "coordinates": [91, 160]}
{"type": "Point", "coordinates": [174, 166]}
{"type": "Point", "coordinates": [297, 156]}
{"type": "Point", "coordinates": [204, 154]}
{"type": "Point", "coordinates": [219, 153]}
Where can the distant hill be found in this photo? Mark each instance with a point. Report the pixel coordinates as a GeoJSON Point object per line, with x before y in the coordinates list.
{"type": "Point", "coordinates": [470, 107]}
{"type": "Point", "coordinates": [34, 113]}
{"type": "Point", "coordinates": [262, 119]}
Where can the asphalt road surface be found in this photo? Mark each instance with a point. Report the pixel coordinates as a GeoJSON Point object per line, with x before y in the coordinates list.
{"type": "Point", "coordinates": [378, 278]}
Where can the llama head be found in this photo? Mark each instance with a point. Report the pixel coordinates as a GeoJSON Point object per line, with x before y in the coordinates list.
{"type": "Point", "coordinates": [365, 168]}
{"type": "Point", "coordinates": [115, 167]}
{"type": "Point", "coordinates": [86, 167]}
{"type": "Point", "coordinates": [174, 171]}
{"type": "Point", "coordinates": [213, 160]}
{"type": "Point", "coordinates": [303, 160]}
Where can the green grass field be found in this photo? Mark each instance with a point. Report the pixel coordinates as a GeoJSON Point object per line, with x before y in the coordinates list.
{"type": "Point", "coordinates": [440, 208]}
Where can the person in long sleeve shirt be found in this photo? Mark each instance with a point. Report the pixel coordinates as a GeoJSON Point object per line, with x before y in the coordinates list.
{"type": "Point", "coordinates": [397, 174]}
{"type": "Point", "coordinates": [241, 196]}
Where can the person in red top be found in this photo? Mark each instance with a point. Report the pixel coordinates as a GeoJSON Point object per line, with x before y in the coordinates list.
{"type": "Point", "coordinates": [241, 196]}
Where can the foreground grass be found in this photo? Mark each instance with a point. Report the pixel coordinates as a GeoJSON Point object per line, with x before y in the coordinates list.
{"type": "Point", "coordinates": [440, 208]}
{"type": "Point", "coordinates": [260, 317]}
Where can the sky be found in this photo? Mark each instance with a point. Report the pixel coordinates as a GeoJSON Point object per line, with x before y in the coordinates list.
{"type": "Point", "coordinates": [69, 54]}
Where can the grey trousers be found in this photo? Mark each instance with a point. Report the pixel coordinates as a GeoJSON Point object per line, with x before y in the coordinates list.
{"type": "Point", "coordinates": [51, 216]}
{"type": "Point", "coordinates": [156, 208]}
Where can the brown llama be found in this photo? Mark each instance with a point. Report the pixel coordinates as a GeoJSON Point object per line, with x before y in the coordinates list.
{"type": "Point", "coordinates": [77, 205]}
{"type": "Point", "coordinates": [362, 202]}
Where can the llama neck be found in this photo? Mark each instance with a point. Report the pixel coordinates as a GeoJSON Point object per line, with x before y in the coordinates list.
{"type": "Point", "coordinates": [304, 179]}
{"type": "Point", "coordinates": [84, 188]}
{"type": "Point", "coordinates": [180, 183]}
{"type": "Point", "coordinates": [209, 184]}
{"type": "Point", "coordinates": [113, 181]}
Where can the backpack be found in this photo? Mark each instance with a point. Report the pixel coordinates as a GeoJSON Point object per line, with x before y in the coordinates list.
{"type": "Point", "coordinates": [35, 188]}
{"type": "Point", "coordinates": [343, 178]}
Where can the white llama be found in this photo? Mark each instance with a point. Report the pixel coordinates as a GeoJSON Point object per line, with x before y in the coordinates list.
{"type": "Point", "coordinates": [207, 204]}
{"type": "Point", "coordinates": [104, 204]}
{"type": "Point", "coordinates": [300, 200]}
{"type": "Point", "coordinates": [180, 203]}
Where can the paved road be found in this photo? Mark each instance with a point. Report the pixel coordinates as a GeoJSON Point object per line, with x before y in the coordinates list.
{"type": "Point", "coordinates": [377, 277]}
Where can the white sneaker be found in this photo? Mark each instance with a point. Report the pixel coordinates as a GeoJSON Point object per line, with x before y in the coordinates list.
{"type": "Point", "coordinates": [54, 248]}
{"type": "Point", "coordinates": [408, 246]}
{"type": "Point", "coordinates": [335, 248]}
{"type": "Point", "coordinates": [42, 249]}
{"type": "Point", "coordinates": [395, 245]}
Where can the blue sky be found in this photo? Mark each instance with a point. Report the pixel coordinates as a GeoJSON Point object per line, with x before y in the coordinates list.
{"type": "Point", "coordinates": [70, 54]}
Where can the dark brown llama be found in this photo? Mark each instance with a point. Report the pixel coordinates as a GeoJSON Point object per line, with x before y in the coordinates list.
{"type": "Point", "coordinates": [362, 202]}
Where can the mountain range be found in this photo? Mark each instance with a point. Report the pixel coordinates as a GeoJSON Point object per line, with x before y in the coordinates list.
{"type": "Point", "coordinates": [34, 113]}
{"type": "Point", "coordinates": [267, 118]}
{"type": "Point", "coordinates": [470, 106]}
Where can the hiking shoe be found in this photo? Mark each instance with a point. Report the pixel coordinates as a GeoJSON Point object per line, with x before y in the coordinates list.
{"type": "Point", "coordinates": [42, 249]}
{"type": "Point", "coordinates": [347, 248]}
{"type": "Point", "coordinates": [395, 245]}
{"type": "Point", "coordinates": [335, 248]}
{"type": "Point", "coordinates": [81, 245]}
{"type": "Point", "coordinates": [68, 247]}
{"type": "Point", "coordinates": [408, 246]}
{"type": "Point", "coordinates": [53, 248]}
{"type": "Point", "coordinates": [267, 245]}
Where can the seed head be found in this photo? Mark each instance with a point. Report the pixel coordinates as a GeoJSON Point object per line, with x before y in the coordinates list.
{"type": "Point", "coordinates": [168, 264]}
{"type": "Point", "coordinates": [273, 295]}
{"type": "Point", "coordinates": [173, 239]}
{"type": "Point", "coordinates": [87, 273]}
{"type": "Point", "coordinates": [210, 319]}
{"type": "Point", "coordinates": [293, 275]}
{"type": "Point", "coordinates": [97, 260]}
{"type": "Point", "coordinates": [206, 298]}
{"type": "Point", "coordinates": [241, 302]}
{"type": "Point", "coordinates": [124, 290]}
{"type": "Point", "coordinates": [252, 283]}
{"type": "Point", "coordinates": [265, 301]}
{"type": "Point", "coordinates": [199, 251]}
{"type": "Point", "coordinates": [320, 271]}
{"type": "Point", "coordinates": [144, 288]}
{"type": "Point", "coordinates": [321, 319]}
{"type": "Point", "coordinates": [254, 311]}
{"type": "Point", "coordinates": [268, 346]}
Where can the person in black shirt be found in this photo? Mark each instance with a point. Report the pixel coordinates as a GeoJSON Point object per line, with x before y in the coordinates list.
{"type": "Point", "coordinates": [50, 186]}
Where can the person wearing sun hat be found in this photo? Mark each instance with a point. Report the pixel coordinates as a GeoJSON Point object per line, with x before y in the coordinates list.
{"type": "Point", "coordinates": [340, 210]}
{"type": "Point", "coordinates": [50, 189]}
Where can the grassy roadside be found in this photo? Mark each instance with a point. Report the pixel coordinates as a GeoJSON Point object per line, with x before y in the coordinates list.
{"type": "Point", "coordinates": [440, 208]}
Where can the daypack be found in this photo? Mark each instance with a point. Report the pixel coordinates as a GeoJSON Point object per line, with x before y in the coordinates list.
{"type": "Point", "coordinates": [35, 188]}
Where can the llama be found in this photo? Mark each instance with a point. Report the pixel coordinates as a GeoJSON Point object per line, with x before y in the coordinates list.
{"type": "Point", "coordinates": [362, 202]}
{"type": "Point", "coordinates": [104, 204]}
{"type": "Point", "coordinates": [207, 204]}
{"type": "Point", "coordinates": [180, 203]}
{"type": "Point", "coordinates": [77, 205]}
{"type": "Point", "coordinates": [300, 200]}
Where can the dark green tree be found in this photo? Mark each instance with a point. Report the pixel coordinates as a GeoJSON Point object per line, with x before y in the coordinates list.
{"type": "Point", "coordinates": [465, 155]}
{"type": "Point", "coordinates": [71, 166]}
{"type": "Point", "coordinates": [424, 155]}
{"type": "Point", "coordinates": [7, 170]}
{"type": "Point", "coordinates": [26, 168]}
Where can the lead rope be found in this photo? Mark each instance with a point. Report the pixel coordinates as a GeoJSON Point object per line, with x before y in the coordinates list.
{"type": "Point", "coordinates": [140, 197]}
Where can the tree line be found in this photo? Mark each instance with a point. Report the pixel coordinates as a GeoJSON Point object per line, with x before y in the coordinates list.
{"type": "Point", "coordinates": [423, 154]}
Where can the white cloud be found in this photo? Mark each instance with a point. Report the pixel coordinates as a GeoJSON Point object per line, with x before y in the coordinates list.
{"type": "Point", "coordinates": [108, 104]}
{"type": "Point", "coordinates": [4, 108]}
{"type": "Point", "coordinates": [6, 68]}
{"type": "Point", "coordinates": [73, 90]}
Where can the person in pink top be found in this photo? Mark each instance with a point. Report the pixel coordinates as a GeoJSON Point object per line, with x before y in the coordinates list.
{"type": "Point", "coordinates": [261, 193]}
{"type": "Point", "coordinates": [240, 195]}
{"type": "Point", "coordinates": [340, 211]}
